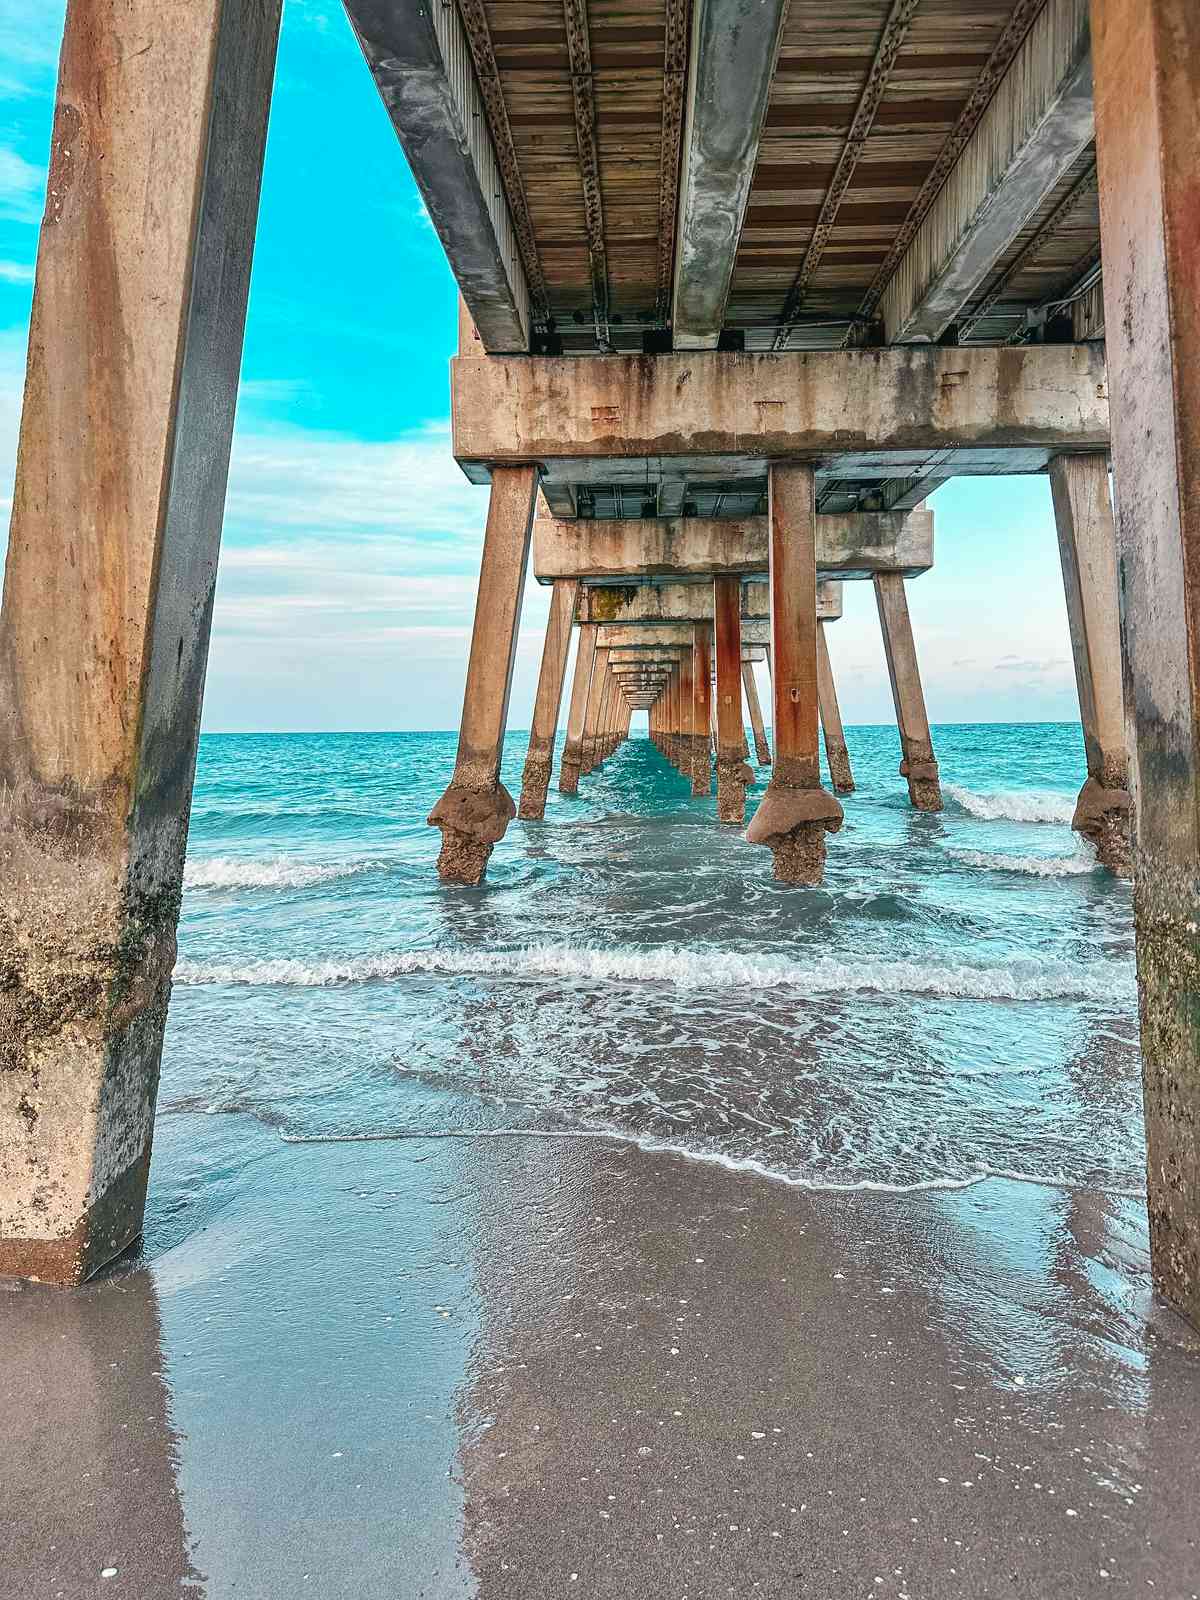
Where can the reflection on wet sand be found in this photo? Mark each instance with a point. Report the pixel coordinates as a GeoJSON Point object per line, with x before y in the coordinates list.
{"type": "Point", "coordinates": [697, 1383]}
{"type": "Point", "coordinates": [90, 1457]}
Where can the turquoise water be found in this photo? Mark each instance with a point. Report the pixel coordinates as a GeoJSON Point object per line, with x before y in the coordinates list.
{"type": "Point", "coordinates": [956, 1001]}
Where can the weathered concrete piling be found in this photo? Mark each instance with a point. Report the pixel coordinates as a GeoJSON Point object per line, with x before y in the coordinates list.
{"type": "Point", "coordinates": [836, 754]}
{"type": "Point", "coordinates": [918, 765]}
{"type": "Point", "coordinates": [733, 773]}
{"type": "Point", "coordinates": [1148, 141]}
{"type": "Point", "coordinates": [581, 688]}
{"type": "Point", "coordinates": [476, 809]}
{"type": "Point", "coordinates": [1088, 550]}
{"type": "Point", "coordinates": [134, 350]}
{"type": "Point", "coordinates": [535, 781]}
{"type": "Point", "coordinates": [796, 812]}
{"type": "Point", "coordinates": [702, 708]}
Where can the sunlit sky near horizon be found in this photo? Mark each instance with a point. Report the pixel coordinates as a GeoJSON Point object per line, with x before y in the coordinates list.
{"type": "Point", "coordinates": [352, 540]}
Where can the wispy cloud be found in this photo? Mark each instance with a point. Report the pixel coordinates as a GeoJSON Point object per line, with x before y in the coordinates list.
{"type": "Point", "coordinates": [30, 37]}
{"type": "Point", "coordinates": [408, 491]}
{"type": "Point", "coordinates": [22, 187]}
{"type": "Point", "coordinates": [15, 272]}
{"type": "Point", "coordinates": [1036, 668]}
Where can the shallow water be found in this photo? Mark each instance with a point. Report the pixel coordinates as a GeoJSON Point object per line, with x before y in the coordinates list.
{"type": "Point", "coordinates": [956, 1001]}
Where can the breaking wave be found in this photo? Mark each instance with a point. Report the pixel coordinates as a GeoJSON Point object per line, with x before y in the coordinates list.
{"type": "Point", "coordinates": [1082, 862]}
{"type": "Point", "coordinates": [752, 1165]}
{"type": "Point", "coordinates": [1019, 979]}
{"type": "Point", "coordinates": [237, 872]}
{"type": "Point", "coordinates": [1030, 805]}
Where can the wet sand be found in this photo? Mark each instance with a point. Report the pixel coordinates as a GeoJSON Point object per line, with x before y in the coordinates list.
{"type": "Point", "coordinates": [535, 1367]}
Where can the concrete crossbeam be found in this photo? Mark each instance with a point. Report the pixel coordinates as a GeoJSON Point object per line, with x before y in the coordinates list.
{"type": "Point", "coordinates": [1039, 122]}
{"type": "Point", "coordinates": [632, 550]}
{"type": "Point", "coordinates": [673, 635]}
{"type": "Point", "coordinates": [668, 655]}
{"type": "Point", "coordinates": [420, 60]}
{"type": "Point", "coordinates": [734, 46]}
{"type": "Point", "coordinates": [647, 603]}
{"type": "Point", "coordinates": [808, 406]}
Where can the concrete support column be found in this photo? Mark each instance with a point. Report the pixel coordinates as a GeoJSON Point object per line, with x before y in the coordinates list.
{"type": "Point", "coordinates": [135, 345]}
{"type": "Point", "coordinates": [917, 763]}
{"type": "Point", "coordinates": [762, 750]}
{"type": "Point", "coordinates": [732, 772]}
{"type": "Point", "coordinates": [581, 684]}
{"type": "Point", "coordinates": [674, 717]}
{"type": "Point", "coordinates": [535, 780]}
{"type": "Point", "coordinates": [1087, 545]}
{"type": "Point", "coordinates": [796, 812]}
{"type": "Point", "coordinates": [1146, 56]}
{"type": "Point", "coordinates": [687, 715]}
{"type": "Point", "coordinates": [476, 809]}
{"type": "Point", "coordinates": [591, 721]}
{"type": "Point", "coordinates": [701, 772]}
{"type": "Point", "coordinates": [836, 753]}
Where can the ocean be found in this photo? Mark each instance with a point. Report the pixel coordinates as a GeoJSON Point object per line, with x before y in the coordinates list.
{"type": "Point", "coordinates": [631, 1225]}
{"type": "Point", "coordinates": [957, 1001]}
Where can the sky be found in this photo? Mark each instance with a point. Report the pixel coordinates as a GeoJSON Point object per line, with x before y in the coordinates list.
{"type": "Point", "coordinates": [351, 543]}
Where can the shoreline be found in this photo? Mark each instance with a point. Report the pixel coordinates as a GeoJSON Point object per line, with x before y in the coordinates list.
{"type": "Point", "coordinates": [423, 1367]}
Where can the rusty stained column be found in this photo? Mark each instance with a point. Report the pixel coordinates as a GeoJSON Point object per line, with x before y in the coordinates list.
{"type": "Point", "coordinates": [581, 684]}
{"type": "Point", "coordinates": [666, 732]}
{"type": "Point", "coordinates": [917, 763]}
{"type": "Point", "coordinates": [476, 809]}
{"type": "Point", "coordinates": [604, 740]}
{"type": "Point", "coordinates": [795, 813]}
{"type": "Point", "coordinates": [701, 768]}
{"type": "Point", "coordinates": [762, 750]}
{"type": "Point", "coordinates": [836, 753]}
{"type": "Point", "coordinates": [535, 780]}
{"type": "Point", "coordinates": [1146, 56]}
{"type": "Point", "coordinates": [733, 774]}
{"type": "Point", "coordinates": [135, 344]}
{"type": "Point", "coordinates": [1087, 545]}
{"type": "Point", "coordinates": [591, 720]}
{"type": "Point", "coordinates": [687, 715]}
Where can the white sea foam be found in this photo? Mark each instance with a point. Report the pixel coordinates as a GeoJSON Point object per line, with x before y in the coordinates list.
{"type": "Point", "coordinates": [718, 1158]}
{"type": "Point", "coordinates": [281, 872]}
{"type": "Point", "coordinates": [1026, 805]}
{"type": "Point", "coordinates": [1083, 861]}
{"type": "Point", "coordinates": [1017, 979]}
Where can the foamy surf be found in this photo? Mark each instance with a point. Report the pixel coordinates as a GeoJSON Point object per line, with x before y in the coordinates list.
{"type": "Point", "coordinates": [750, 1165]}
{"type": "Point", "coordinates": [281, 872]}
{"type": "Point", "coordinates": [1078, 865]}
{"type": "Point", "coordinates": [1031, 805]}
{"type": "Point", "coordinates": [1018, 979]}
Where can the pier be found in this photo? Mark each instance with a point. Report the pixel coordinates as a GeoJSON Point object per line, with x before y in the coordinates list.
{"type": "Point", "coordinates": [741, 287]}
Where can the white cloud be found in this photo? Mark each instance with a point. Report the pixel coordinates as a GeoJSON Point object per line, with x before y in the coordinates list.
{"type": "Point", "coordinates": [30, 37]}
{"type": "Point", "coordinates": [294, 481]}
{"type": "Point", "coordinates": [22, 187]}
{"type": "Point", "coordinates": [15, 272]}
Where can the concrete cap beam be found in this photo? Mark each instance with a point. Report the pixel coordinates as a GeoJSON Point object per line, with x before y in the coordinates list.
{"type": "Point", "coordinates": [632, 550]}
{"type": "Point", "coordinates": [646, 603]}
{"type": "Point", "coordinates": [813, 406]}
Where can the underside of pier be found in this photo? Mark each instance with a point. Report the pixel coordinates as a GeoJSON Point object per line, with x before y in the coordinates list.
{"type": "Point", "coordinates": [742, 285]}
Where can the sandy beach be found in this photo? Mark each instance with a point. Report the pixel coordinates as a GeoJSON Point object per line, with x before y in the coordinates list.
{"type": "Point", "coordinates": [556, 1366]}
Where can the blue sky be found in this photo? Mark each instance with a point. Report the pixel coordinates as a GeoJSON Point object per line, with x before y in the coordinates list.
{"type": "Point", "coordinates": [351, 539]}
